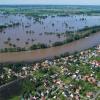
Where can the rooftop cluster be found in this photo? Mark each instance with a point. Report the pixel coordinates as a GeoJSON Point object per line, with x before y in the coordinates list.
{"type": "Point", "coordinates": [74, 77]}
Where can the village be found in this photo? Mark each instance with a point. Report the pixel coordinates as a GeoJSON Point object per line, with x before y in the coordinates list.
{"type": "Point", "coordinates": [69, 77]}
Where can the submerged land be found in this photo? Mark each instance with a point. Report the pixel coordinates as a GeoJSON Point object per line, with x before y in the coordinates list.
{"type": "Point", "coordinates": [24, 28]}
{"type": "Point", "coordinates": [49, 52]}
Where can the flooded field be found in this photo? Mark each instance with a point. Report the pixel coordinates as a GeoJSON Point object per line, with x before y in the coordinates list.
{"type": "Point", "coordinates": [24, 31]}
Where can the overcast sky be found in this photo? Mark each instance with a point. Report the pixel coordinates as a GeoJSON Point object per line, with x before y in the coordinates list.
{"type": "Point", "coordinates": [65, 2]}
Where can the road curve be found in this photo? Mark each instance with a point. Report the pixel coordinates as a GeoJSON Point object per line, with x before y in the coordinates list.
{"type": "Point", "coordinates": [35, 55]}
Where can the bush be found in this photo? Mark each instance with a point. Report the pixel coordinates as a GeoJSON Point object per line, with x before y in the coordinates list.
{"type": "Point", "coordinates": [57, 44]}
{"type": "Point", "coordinates": [38, 46]}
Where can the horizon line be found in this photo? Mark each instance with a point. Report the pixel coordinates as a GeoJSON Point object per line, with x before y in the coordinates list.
{"type": "Point", "coordinates": [52, 4]}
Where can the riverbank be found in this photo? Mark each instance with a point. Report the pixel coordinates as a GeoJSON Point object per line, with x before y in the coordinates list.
{"type": "Point", "coordinates": [36, 55]}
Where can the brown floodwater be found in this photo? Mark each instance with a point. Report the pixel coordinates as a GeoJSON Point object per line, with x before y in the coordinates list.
{"type": "Point", "coordinates": [31, 32]}
{"type": "Point", "coordinates": [35, 55]}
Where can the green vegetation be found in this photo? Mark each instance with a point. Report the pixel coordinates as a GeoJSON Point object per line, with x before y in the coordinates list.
{"type": "Point", "coordinates": [15, 98]}
{"type": "Point", "coordinates": [57, 44]}
{"type": "Point", "coordinates": [12, 50]}
{"type": "Point", "coordinates": [9, 25]}
{"type": "Point", "coordinates": [78, 35]}
{"type": "Point", "coordinates": [51, 10]}
{"type": "Point", "coordinates": [38, 46]}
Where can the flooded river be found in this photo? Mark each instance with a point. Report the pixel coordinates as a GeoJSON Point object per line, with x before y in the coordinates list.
{"type": "Point", "coordinates": [28, 56]}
